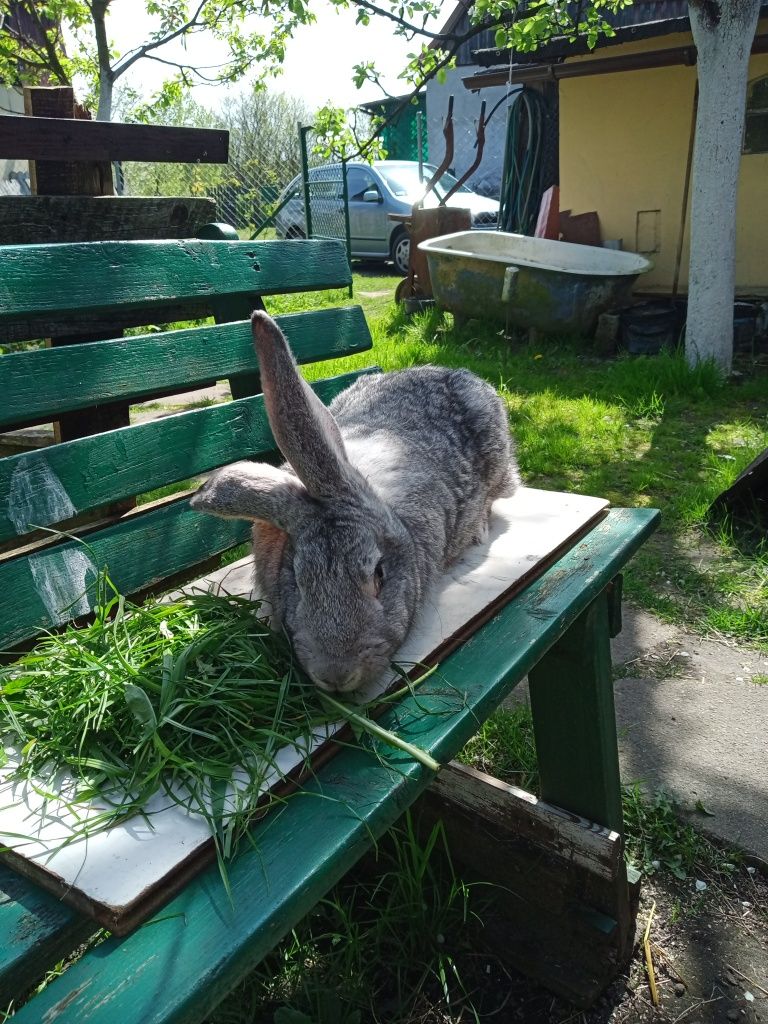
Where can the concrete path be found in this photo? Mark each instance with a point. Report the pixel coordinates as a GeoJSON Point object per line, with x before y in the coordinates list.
{"type": "Point", "coordinates": [693, 718]}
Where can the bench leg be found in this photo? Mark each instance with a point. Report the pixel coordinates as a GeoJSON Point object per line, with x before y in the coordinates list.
{"type": "Point", "coordinates": [574, 720]}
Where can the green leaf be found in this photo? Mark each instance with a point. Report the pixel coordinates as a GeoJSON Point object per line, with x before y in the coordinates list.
{"type": "Point", "coordinates": [703, 810]}
{"type": "Point", "coordinates": [141, 708]}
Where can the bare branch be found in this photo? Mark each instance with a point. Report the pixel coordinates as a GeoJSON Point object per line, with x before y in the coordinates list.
{"type": "Point", "coordinates": [143, 51]}
{"type": "Point", "coordinates": [189, 68]}
{"type": "Point", "coordinates": [380, 12]}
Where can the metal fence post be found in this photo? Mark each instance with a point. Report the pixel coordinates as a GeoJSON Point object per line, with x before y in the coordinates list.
{"type": "Point", "coordinates": [347, 235]}
{"type": "Point", "coordinates": [305, 176]}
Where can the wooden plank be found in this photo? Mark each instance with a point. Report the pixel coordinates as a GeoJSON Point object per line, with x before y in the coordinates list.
{"type": "Point", "coordinates": [56, 280]}
{"type": "Point", "coordinates": [515, 552]}
{"type": "Point", "coordinates": [574, 721]}
{"type": "Point", "coordinates": [40, 384]}
{"type": "Point", "coordinates": [50, 174]}
{"type": "Point", "coordinates": [101, 417]}
{"type": "Point", "coordinates": [202, 944]}
{"type": "Point", "coordinates": [562, 913]}
{"type": "Point", "coordinates": [36, 931]}
{"type": "Point", "coordinates": [28, 220]}
{"type": "Point", "coordinates": [46, 583]}
{"type": "Point", "coordinates": [56, 483]}
{"type": "Point", "coordinates": [556, 831]}
{"type": "Point", "coordinates": [35, 138]}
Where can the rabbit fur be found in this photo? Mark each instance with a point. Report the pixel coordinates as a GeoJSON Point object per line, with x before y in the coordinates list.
{"type": "Point", "coordinates": [381, 492]}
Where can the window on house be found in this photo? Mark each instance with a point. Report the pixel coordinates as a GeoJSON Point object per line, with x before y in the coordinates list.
{"type": "Point", "coordinates": [756, 130]}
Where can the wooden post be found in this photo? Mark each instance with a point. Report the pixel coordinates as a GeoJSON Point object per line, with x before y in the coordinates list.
{"type": "Point", "coordinates": [61, 177]}
{"type": "Point", "coordinates": [574, 720]}
{"type": "Point", "coordinates": [58, 178]}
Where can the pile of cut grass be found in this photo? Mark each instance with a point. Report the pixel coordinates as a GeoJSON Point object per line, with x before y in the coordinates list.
{"type": "Point", "coordinates": [192, 698]}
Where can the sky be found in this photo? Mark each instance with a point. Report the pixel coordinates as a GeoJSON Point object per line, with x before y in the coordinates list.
{"type": "Point", "coordinates": [319, 59]}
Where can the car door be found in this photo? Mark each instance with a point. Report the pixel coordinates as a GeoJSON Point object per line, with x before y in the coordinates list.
{"type": "Point", "coordinates": [369, 228]}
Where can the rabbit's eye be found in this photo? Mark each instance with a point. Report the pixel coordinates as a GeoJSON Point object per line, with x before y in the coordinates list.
{"type": "Point", "coordinates": [378, 578]}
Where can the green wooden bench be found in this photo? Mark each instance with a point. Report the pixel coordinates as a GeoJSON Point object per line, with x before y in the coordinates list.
{"type": "Point", "coordinates": [556, 631]}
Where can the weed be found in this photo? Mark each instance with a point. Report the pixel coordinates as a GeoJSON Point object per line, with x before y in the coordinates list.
{"type": "Point", "coordinates": [505, 747]}
{"type": "Point", "coordinates": [150, 698]}
{"type": "Point", "coordinates": [657, 838]}
{"type": "Point", "coordinates": [383, 945]}
{"type": "Point", "coordinates": [761, 679]}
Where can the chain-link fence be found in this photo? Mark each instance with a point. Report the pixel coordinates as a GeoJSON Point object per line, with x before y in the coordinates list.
{"type": "Point", "coordinates": [247, 192]}
{"type": "Point", "coordinates": [270, 187]}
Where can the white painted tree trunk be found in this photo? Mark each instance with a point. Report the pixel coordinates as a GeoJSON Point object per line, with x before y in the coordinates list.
{"type": "Point", "coordinates": [723, 31]}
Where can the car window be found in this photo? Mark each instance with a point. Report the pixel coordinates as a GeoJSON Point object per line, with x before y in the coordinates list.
{"type": "Point", "coordinates": [404, 180]}
{"type": "Point", "coordinates": [359, 181]}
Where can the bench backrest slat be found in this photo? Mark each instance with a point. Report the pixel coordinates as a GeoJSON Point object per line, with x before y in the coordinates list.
{"type": "Point", "coordinates": [45, 382]}
{"type": "Point", "coordinates": [86, 483]}
{"type": "Point", "coordinates": [58, 280]}
{"type": "Point", "coordinates": [51, 485]}
{"type": "Point", "coordinates": [49, 587]}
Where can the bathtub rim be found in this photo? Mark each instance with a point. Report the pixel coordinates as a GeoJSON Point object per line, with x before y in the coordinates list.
{"type": "Point", "coordinates": [432, 245]}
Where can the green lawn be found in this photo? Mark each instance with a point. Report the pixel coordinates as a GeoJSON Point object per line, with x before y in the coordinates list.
{"type": "Point", "coordinates": [638, 431]}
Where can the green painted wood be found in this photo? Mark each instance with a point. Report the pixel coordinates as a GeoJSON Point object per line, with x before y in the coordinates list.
{"type": "Point", "coordinates": [49, 485]}
{"type": "Point", "coordinates": [36, 931]}
{"type": "Point", "coordinates": [178, 969]}
{"type": "Point", "coordinates": [57, 280]}
{"type": "Point", "coordinates": [46, 382]}
{"type": "Point", "coordinates": [574, 720]}
{"type": "Point", "coordinates": [39, 219]}
{"type": "Point", "coordinates": [231, 308]}
{"type": "Point", "coordinates": [140, 551]}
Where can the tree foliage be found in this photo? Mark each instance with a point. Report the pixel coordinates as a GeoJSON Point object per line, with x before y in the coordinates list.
{"type": "Point", "coordinates": [255, 34]}
{"type": "Point", "coordinates": [33, 50]}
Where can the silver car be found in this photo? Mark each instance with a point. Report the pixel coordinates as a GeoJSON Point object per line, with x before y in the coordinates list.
{"type": "Point", "coordinates": [375, 191]}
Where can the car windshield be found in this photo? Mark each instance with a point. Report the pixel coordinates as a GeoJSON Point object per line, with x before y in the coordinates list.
{"type": "Point", "coordinates": [404, 180]}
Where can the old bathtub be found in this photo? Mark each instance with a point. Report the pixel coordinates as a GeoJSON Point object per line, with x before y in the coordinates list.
{"type": "Point", "coordinates": [556, 287]}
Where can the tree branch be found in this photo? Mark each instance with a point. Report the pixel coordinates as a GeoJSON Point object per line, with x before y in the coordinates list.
{"type": "Point", "coordinates": [142, 51]}
{"type": "Point", "coordinates": [50, 49]}
{"type": "Point", "coordinates": [47, 58]}
{"type": "Point", "coordinates": [380, 12]}
{"type": "Point", "coordinates": [181, 66]}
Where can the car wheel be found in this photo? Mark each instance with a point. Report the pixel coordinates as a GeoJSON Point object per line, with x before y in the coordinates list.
{"type": "Point", "coordinates": [400, 250]}
{"type": "Point", "coordinates": [294, 232]}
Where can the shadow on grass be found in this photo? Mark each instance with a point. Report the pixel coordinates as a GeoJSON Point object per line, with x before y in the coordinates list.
{"type": "Point", "coordinates": [639, 431]}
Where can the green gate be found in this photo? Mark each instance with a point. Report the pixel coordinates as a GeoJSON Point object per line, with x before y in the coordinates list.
{"type": "Point", "coordinates": [324, 192]}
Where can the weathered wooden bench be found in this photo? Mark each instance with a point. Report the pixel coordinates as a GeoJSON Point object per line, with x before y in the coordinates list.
{"type": "Point", "coordinates": [556, 631]}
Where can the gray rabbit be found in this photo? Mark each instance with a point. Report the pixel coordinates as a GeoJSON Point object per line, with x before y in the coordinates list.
{"type": "Point", "coordinates": [382, 491]}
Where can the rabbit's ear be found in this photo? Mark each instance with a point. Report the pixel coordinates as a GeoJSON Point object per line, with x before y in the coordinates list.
{"type": "Point", "coordinates": [254, 490]}
{"type": "Point", "coordinates": [304, 429]}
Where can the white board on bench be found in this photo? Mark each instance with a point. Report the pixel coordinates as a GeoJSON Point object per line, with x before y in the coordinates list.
{"type": "Point", "coordinates": [121, 876]}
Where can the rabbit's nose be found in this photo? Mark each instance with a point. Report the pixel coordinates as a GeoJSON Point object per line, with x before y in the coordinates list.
{"type": "Point", "coordinates": [340, 680]}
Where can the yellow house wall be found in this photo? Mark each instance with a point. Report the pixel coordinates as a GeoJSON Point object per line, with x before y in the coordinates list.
{"type": "Point", "coordinates": [624, 141]}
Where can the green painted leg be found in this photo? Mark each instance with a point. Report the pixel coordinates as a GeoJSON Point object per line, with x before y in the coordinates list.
{"type": "Point", "coordinates": [574, 721]}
